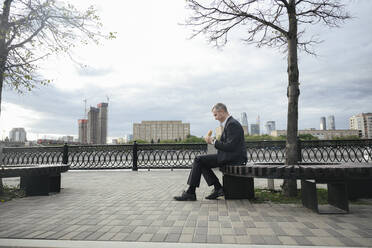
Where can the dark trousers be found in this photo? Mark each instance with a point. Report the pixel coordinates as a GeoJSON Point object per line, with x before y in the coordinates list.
{"type": "Point", "coordinates": [203, 166]}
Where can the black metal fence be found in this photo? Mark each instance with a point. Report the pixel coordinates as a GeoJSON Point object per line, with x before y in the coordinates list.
{"type": "Point", "coordinates": [143, 156]}
{"type": "Point", "coordinates": [147, 156]}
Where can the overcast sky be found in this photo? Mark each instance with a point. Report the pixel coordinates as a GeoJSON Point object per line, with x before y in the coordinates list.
{"type": "Point", "coordinates": [152, 71]}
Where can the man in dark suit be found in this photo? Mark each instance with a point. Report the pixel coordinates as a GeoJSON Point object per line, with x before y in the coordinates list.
{"type": "Point", "coordinates": [230, 150]}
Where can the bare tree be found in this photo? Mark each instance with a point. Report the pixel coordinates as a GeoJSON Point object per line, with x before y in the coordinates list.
{"type": "Point", "coordinates": [31, 30]}
{"type": "Point", "coordinates": [273, 23]}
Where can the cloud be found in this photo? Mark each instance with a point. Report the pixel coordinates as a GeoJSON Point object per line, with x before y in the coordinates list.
{"type": "Point", "coordinates": [88, 71]}
{"type": "Point", "coordinates": [153, 72]}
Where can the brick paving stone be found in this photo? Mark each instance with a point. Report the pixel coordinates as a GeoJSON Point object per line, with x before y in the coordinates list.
{"type": "Point", "coordinates": [271, 240]}
{"type": "Point", "coordinates": [302, 240]}
{"type": "Point", "coordinates": [214, 238]}
{"type": "Point", "coordinates": [202, 223]}
{"type": "Point", "coordinates": [158, 237]}
{"type": "Point", "coordinates": [310, 225]}
{"type": "Point", "coordinates": [126, 229]}
{"type": "Point", "coordinates": [333, 232]}
{"type": "Point", "coordinates": [173, 237]}
{"type": "Point", "coordinates": [133, 236]}
{"type": "Point", "coordinates": [348, 242]}
{"type": "Point", "coordinates": [81, 236]}
{"type": "Point", "coordinates": [277, 229]}
{"type": "Point", "coordinates": [320, 233]}
{"type": "Point", "coordinates": [243, 240]}
{"type": "Point", "coordinates": [185, 238]}
{"type": "Point", "coordinates": [199, 238]}
{"type": "Point", "coordinates": [257, 239]}
{"type": "Point", "coordinates": [248, 224]}
{"type": "Point", "coordinates": [287, 240]}
{"type": "Point", "coordinates": [176, 229]}
{"type": "Point", "coordinates": [139, 229]}
{"type": "Point", "coordinates": [363, 233]}
{"type": "Point", "coordinates": [188, 230]}
{"type": "Point", "coordinates": [213, 218]}
{"type": "Point", "coordinates": [348, 233]}
{"type": "Point", "coordinates": [228, 239]}
{"type": "Point", "coordinates": [107, 236]}
{"type": "Point", "coordinates": [45, 235]}
{"type": "Point", "coordinates": [94, 236]}
{"type": "Point", "coordinates": [306, 232]}
{"type": "Point", "coordinates": [201, 230]}
{"type": "Point", "coordinates": [214, 231]}
{"type": "Point", "coordinates": [227, 231]}
{"type": "Point", "coordinates": [363, 241]}
{"type": "Point", "coordinates": [68, 235]}
{"type": "Point", "coordinates": [225, 224]}
{"type": "Point", "coordinates": [240, 231]}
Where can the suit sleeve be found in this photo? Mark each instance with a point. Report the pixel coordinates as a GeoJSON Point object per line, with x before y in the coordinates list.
{"type": "Point", "coordinates": [233, 136]}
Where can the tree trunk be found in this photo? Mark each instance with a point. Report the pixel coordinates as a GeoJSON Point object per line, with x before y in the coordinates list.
{"type": "Point", "coordinates": [4, 28]}
{"type": "Point", "coordinates": [291, 158]}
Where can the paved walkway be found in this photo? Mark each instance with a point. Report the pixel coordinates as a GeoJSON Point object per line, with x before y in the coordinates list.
{"type": "Point", "coordinates": [138, 207]}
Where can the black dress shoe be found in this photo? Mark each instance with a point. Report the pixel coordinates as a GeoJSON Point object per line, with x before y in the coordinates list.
{"type": "Point", "coordinates": [185, 197]}
{"type": "Point", "coordinates": [215, 194]}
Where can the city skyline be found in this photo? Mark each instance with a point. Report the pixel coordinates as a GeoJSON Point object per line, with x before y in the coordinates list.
{"type": "Point", "coordinates": [173, 77]}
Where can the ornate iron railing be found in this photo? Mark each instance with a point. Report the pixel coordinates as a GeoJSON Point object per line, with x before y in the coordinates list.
{"type": "Point", "coordinates": [336, 151]}
{"type": "Point", "coordinates": [312, 151]}
{"type": "Point", "coordinates": [134, 156]}
{"type": "Point", "coordinates": [168, 155]}
{"type": "Point", "coordinates": [148, 156]}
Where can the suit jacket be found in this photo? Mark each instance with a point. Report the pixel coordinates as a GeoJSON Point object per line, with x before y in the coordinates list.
{"type": "Point", "coordinates": [231, 147]}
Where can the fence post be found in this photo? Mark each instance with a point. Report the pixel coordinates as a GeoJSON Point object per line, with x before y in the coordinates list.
{"type": "Point", "coordinates": [299, 151]}
{"type": "Point", "coordinates": [135, 156]}
{"type": "Point", "coordinates": [65, 154]}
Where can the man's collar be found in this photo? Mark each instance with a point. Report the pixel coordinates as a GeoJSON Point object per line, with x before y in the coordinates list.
{"type": "Point", "coordinates": [224, 122]}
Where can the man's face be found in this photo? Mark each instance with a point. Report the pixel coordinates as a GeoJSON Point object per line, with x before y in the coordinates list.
{"type": "Point", "coordinates": [219, 115]}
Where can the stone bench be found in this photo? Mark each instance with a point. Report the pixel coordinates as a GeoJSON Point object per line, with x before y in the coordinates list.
{"type": "Point", "coordinates": [239, 181]}
{"type": "Point", "coordinates": [36, 179]}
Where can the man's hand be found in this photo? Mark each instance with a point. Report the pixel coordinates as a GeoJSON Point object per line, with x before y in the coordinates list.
{"type": "Point", "coordinates": [208, 139]}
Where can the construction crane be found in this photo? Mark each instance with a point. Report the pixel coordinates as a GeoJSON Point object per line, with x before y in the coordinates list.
{"type": "Point", "coordinates": [85, 108]}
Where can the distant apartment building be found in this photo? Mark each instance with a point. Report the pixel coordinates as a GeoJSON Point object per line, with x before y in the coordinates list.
{"type": "Point", "coordinates": [83, 131]}
{"type": "Point", "coordinates": [323, 125]}
{"type": "Point", "coordinates": [320, 134]}
{"type": "Point", "coordinates": [92, 127]}
{"type": "Point", "coordinates": [160, 130]}
{"type": "Point", "coordinates": [363, 123]}
{"type": "Point", "coordinates": [244, 122]}
{"type": "Point", "coordinates": [67, 139]}
{"type": "Point", "coordinates": [255, 129]}
{"type": "Point", "coordinates": [331, 122]}
{"type": "Point", "coordinates": [102, 123]}
{"type": "Point", "coordinates": [18, 135]}
{"type": "Point", "coordinates": [127, 138]}
{"type": "Point", "coordinates": [97, 124]}
{"type": "Point", "coordinates": [270, 126]}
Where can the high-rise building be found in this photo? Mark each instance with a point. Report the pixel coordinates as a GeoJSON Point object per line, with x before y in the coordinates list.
{"type": "Point", "coordinates": [363, 123]}
{"type": "Point", "coordinates": [102, 123]}
{"type": "Point", "coordinates": [331, 122]}
{"type": "Point", "coordinates": [83, 131]}
{"type": "Point", "coordinates": [244, 122]}
{"type": "Point", "coordinates": [323, 125]}
{"type": "Point", "coordinates": [96, 124]}
{"type": "Point", "coordinates": [92, 127]}
{"type": "Point", "coordinates": [255, 129]}
{"type": "Point", "coordinates": [18, 135]}
{"type": "Point", "coordinates": [160, 130]}
{"type": "Point", "coordinates": [270, 126]}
